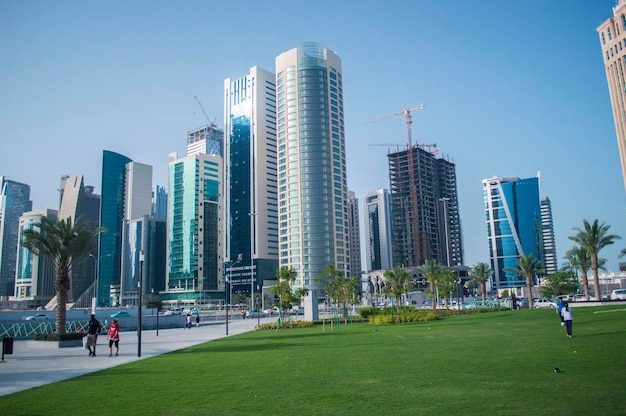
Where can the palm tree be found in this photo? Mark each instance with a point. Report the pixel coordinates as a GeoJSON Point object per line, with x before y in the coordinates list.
{"type": "Point", "coordinates": [594, 238]}
{"type": "Point", "coordinates": [398, 283]}
{"type": "Point", "coordinates": [479, 275]}
{"type": "Point", "coordinates": [63, 243]}
{"type": "Point", "coordinates": [429, 270]}
{"type": "Point", "coordinates": [579, 258]}
{"type": "Point", "coordinates": [527, 266]}
{"type": "Point", "coordinates": [446, 283]}
{"type": "Point", "coordinates": [622, 253]}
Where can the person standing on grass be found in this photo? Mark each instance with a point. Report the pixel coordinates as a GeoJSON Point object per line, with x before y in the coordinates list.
{"type": "Point", "coordinates": [114, 337]}
{"type": "Point", "coordinates": [559, 308]}
{"type": "Point", "coordinates": [566, 312]}
{"type": "Point", "coordinates": [92, 334]}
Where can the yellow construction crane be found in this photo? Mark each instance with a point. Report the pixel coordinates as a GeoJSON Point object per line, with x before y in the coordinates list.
{"type": "Point", "coordinates": [212, 123]}
{"type": "Point", "coordinates": [407, 114]}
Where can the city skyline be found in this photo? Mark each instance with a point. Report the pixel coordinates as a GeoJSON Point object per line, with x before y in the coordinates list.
{"type": "Point", "coordinates": [498, 100]}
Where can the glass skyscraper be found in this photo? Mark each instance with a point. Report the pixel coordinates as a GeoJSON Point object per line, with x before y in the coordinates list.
{"type": "Point", "coordinates": [514, 226]}
{"type": "Point", "coordinates": [312, 185]}
{"type": "Point", "coordinates": [378, 241]}
{"type": "Point", "coordinates": [194, 227]}
{"type": "Point", "coordinates": [251, 203]}
{"type": "Point", "coordinates": [14, 201]}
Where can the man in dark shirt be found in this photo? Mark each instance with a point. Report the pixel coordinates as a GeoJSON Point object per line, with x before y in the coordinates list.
{"type": "Point", "coordinates": [92, 334]}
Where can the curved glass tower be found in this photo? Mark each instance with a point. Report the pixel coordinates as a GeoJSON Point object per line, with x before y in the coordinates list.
{"type": "Point", "coordinates": [313, 195]}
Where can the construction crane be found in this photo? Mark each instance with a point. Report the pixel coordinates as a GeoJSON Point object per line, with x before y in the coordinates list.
{"type": "Point", "coordinates": [212, 123]}
{"type": "Point", "coordinates": [417, 244]}
{"type": "Point", "coordinates": [407, 114]}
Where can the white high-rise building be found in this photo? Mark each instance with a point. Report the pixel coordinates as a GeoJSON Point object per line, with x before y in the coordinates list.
{"type": "Point", "coordinates": [378, 230]}
{"type": "Point", "coordinates": [312, 184]}
{"type": "Point", "coordinates": [613, 42]}
{"type": "Point", "coordinates": [547, 230]}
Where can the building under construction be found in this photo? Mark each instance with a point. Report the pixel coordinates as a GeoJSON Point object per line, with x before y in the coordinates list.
{"type": "Point", "coordinates": [424, 208]}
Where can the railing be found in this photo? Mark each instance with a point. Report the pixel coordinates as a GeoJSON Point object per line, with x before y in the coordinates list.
{"type": "Point", "coordinates": [30, 328]}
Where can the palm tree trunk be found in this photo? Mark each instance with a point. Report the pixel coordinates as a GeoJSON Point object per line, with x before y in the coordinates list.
{"type": "Point", "coordinates": [61, 311]}
{"type": "Point", "coordinates": [529, 287]}
{"type": "Point", "coordinates": [585, 283]}
{"type": "Point", "coordinates": [596, 279]}
{"type": "Point", "coordinates": [483, 290]}
{"type": "Point", "coordinates": [432, 290]}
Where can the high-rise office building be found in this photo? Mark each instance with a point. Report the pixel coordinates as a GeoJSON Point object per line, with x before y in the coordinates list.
{"type": "Point", "coordinates": [14, 201]}
{"type": "Point", "coordinates": [514, 226]}
{"type": "Point", "coordinates": [613, 42]}
{"type": "Point", "coordinates": [205, 140]}
{"type": "Point", "coordinates": [80, 203]}
{"type": "Point", "coordinates": [354, 235]}
{"type": "Point", "coordinates": [126, 195]}
{"type": "Point", "coordinates": [547, 230]}
{"type": "Point", "coordinates": [251, 203]}
{"type": "Point", "coordinates": [34, 280]}
{"type": "Point", "coordinates": [195, 227]}
{"type": "Point", "coordinates": [313, 192]}
{"type": "Point", "coordinates": [159, 205]}
{"type": "Point", "coordinates": [424, 208]}
{"type": "Point", "coordinates": [378, 235]}
{"type": "Point", "coordinates": [147, 235]}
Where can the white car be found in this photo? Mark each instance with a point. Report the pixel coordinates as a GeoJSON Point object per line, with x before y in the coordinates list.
{"type": "Point", "coordinates": [541, 303]}
{"type": "Point", "coordinates": [177, 311]}
{"type": "Point", "coordinates": [618, 294]}
{"type": "Point", "coordinates": [38, 317]}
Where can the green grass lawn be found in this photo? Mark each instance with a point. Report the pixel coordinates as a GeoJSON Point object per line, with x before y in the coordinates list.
{"type": "Point", "coordinates": [487, 364]}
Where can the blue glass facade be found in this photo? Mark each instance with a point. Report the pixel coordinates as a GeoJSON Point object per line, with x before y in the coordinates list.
{"type": "Point", "coordinates": [514, 229]}
{"type": "Point", "coordinates": [111, 217]}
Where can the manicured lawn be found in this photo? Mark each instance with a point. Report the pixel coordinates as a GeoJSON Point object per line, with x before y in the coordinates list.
{"type": "Point", "coordinates": [488, 364]}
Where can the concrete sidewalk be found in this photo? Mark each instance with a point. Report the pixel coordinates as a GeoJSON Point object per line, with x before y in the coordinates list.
{"type": "Point", "coordinates": [35, 363]}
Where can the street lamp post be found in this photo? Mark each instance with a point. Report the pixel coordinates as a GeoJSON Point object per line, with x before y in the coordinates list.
{"type": "Point", "coordinates": [445, 227]}
{"type": "Point", "coordinates": [227, 285]}
{"type": "Point", "coordinates": [139, 286]}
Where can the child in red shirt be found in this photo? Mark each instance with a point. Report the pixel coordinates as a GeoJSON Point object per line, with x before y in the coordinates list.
{"type": "Point", "coordinates": [114, 337]}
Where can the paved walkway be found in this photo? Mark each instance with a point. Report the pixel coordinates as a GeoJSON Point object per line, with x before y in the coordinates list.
{"type": "Point", "coordinates": [35, 363]}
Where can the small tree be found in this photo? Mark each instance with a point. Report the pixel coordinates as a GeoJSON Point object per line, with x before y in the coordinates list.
{"type": "Point", "coordinates": [154, 302]}
{"type": "Point", "coordinates": [527, 266]}
{"type": "Point", "coordinates": [559, 283]}
{"type": "Point", "coordinates": [479, 275]}
{"type": "Point", "coordinates": [593, 238]}
{"type": "Point", "coordinates": [429, 270]}
{"type": "Point", "coordinates": [284, 290]}
{"type": "Point", "coordinates": [63, 243]}
{"type": "Point", "coordinates": [446, 283]}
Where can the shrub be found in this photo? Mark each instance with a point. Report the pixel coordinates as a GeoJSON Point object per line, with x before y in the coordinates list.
{"type": "Point", "coordinates": [287, 325]}
{"type": "Point", "coordinates": [55, 336]}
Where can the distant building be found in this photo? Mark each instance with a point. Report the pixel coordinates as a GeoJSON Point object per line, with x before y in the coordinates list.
{"type": "Point", "coordinates": [251, 185]}
{"type": "Point", "coordinates": [14, 201]}
{"type": "Point", "coordinates": [195, 227]}
{"type": "Point", "coordinates": [424, 209]}
{"type": "Point", "coordinates": [312, 188]}
{"type": "Point", "coordinates": [514, 226]}
{"type": "Point", "coordinates": [205, 140]}
{"type": "Point", "coordinates": [34, 280]}
{"type": "Point", "coordinates": [159, 205]}
{"type": "Point", "coordinates": [80, 203]}
{"type": "Point", "coordinates": [378, 227]}
{"type": "Point", "coordinates": [355, 235]}
{"type": "Point", "coordinates": [612, 41]}
{"type": "Point", "coordinates": [547, 230]}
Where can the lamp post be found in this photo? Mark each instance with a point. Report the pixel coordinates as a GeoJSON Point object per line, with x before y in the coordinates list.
{"type": "Point", "coordinates": [139, 286]}
{"type": "Point", "coordinates": [445, 227]}
{"type": "Point", "coordinates": [227, 284]}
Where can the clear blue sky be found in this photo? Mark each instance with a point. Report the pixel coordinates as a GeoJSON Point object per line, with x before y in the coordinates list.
{"type": "Point", "coordinates": [510, 88]}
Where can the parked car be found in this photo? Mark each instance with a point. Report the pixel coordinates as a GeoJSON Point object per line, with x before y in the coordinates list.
{"type": "Point", "coordinates": [272, 311]}
{"type": "Point", "coordinates": [618, 294]}
{"type": "Point", "coordinates": [541, 303]}
{"type": "Point", "coordinates": [297, 310]}
{"type": "Point", "coordinates": [38, 317]}
{"type": "Point", "coordinates": [120, 314]}
{"type": "Point", "coordinates": [255, 314]}
{"type": "Point", "coordinates": [176, 311]}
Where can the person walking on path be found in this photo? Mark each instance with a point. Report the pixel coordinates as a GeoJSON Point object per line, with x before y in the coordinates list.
{"type": "Point", "coordinates": [92, 334]}
{"type": "Point", "coordinates": [559, 308]}
{"type": "Point", "coordinates": [114, 337]}
{"type": "Point", "coordinates": [567, 318]}
{"type": "Point", "coordinates": [188, 321]}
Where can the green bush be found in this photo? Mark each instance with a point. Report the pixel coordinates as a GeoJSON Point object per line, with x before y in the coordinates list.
{"type": "Point", "coordinates": [287, 325]}
{"type": "Point", "coordinates": [389, 316]}
{"type": "Point", "coordinates": [55, 336]}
